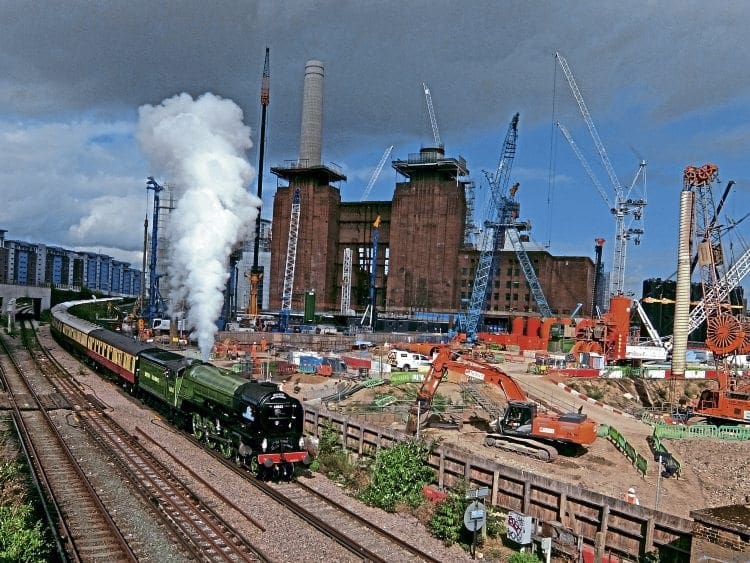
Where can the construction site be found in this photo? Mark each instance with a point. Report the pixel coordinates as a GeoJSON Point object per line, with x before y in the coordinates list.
{"type": "Point", "coordinates": [425, 317]}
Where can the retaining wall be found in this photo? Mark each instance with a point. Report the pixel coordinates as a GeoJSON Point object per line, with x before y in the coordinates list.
{"type": "Point", "coordinates": [628, 530]}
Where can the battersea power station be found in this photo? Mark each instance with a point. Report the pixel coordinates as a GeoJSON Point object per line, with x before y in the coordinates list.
{"type": "Point", "coordinates": [425, 258]}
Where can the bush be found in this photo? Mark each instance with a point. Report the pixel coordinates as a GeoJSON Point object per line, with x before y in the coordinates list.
{"type": "Point", "coordinates": [523, 557]}
{"type": "Point", "coordinates": [398, 474]}
{"type": "Point", "coordinates": [21, 539]}
{"type": "Point", "coordinates": [447, 521]}
{"type": "Point", "coordinates": [333, 460]}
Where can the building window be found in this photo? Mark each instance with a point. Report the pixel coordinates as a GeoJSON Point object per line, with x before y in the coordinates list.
{"type": "Point", "coordinates": [507, 284]}
{"type": "Point", "coordinates": [526, 298]}
{"type": "Point", "coordinates": [515, 297]}
{"type": "Point", "coordinates": [507, 296]}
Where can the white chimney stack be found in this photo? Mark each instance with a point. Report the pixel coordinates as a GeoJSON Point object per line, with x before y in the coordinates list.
{"type": "Point", "coordinates": [312, 115]}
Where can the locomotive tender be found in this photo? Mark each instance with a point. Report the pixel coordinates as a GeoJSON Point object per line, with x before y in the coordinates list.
{"type": "Point", "coordinates": [254, 423]}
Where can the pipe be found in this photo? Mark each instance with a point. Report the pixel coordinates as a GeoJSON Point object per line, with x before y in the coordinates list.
{"type": "Point", "coordinates": [682, 293]}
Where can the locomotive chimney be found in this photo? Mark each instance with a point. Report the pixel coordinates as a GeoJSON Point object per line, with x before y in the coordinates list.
{"type": "Point", "coordinates": [312, 115]}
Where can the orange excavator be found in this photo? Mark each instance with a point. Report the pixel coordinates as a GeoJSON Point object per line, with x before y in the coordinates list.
{"type": "Point", "coordinates": [523, 428]}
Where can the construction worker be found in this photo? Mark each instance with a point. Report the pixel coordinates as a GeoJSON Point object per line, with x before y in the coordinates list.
{"type": "Point", "coordinates": [631, 498]}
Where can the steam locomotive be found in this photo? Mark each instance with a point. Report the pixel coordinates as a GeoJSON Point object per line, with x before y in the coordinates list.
{"type": "Point", "coordinates": [254, 423]}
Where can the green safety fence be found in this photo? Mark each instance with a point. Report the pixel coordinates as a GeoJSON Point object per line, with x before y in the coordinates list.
{"type": "Point", "coordinates": [613, 435]}
{"type": "Point", "coordinates": [680, 431]}
{"type": "Point", "coordinates": [671, 464]}
{"type": "Point", "coordinates": [384, 401]}
{"type": "Point", "coordinates": [374, 382]}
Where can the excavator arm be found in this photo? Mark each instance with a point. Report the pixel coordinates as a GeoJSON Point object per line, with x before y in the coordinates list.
{"type": "Point", "coordinates": [492, 375]}
{"type": "Point", "coordinates": [426, 393]}
{"type": "Point", "coordinates": [443, 362]}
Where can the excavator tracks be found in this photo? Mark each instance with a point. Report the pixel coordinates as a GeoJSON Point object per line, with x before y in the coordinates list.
{"type": "Point", "coordinates": [523, 446]}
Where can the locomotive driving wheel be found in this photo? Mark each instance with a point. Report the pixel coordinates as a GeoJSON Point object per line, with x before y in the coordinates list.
{"type": "Point", "coordinates": [724, 334]}
{"type": "Point", "coordinates": [254, 465]}
{"type": "Point", "coordinates": [225, 446]}
{"type": "Point", "coordinates": [198, 431]}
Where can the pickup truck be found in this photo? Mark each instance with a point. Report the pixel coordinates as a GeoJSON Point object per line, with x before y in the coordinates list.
{"type": "Point", "coordinates": [407, 361]}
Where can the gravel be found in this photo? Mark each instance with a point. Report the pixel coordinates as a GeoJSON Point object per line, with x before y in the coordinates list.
{"type": "Point", "coordinates": [286, 538]}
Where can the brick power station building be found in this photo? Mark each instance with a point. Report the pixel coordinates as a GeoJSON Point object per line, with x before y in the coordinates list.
{"type": "Point", "coordinates": [425, 262]}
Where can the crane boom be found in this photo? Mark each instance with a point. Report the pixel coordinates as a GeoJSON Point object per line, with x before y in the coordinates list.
{"type": "Point", "coordinates": [376, 173]}
{"type": "Point", "coordinates": [624, 204]}
{"type": "Point", "coordinates": [719, 292]}
{"type": "Point", "coordinates": [585, 164]}
{"type": "Point", "coordinates": [590, 124]}
{"type": "Point", "coordinates": [431, 111]}
{"type": "Point", "coordinates": [291, 259]}
{"type": "Point", "coordinates": [529, 272]}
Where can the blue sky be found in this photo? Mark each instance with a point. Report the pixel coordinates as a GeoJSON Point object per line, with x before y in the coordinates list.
{"type": "Point", "coordinates": [666, 82]}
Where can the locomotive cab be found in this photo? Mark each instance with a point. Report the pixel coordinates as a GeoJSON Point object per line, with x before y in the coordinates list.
{"type": "Point", "coordinates": [271, 411]}
{"type": "Point", "coordinates": [275, 421]}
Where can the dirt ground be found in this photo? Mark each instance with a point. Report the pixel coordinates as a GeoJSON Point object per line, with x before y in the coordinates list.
{"type": "Point", "coordinates": [714, 472]}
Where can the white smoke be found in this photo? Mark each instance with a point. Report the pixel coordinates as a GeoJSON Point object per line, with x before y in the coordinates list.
{"type": "Point", "coordinates": [199, 146]}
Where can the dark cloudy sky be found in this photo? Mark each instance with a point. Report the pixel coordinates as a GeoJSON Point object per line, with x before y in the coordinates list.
{"type": "Point", "coordinates": [666, 82]}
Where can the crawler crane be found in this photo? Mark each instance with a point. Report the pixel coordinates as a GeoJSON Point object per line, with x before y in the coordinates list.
{"type": "Point", "coordinates": [725, 333]}
{"type": "Point", "coordinates": [523, 428]}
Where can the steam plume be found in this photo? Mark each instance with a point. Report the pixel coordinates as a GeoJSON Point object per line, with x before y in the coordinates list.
{"type": "Point", "coordinates": [199, 146]}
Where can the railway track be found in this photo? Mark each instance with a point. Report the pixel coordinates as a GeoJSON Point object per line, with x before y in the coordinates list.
{"type": "Point", "coordinates": [84, 528]}
{"type": "Point", "coordinates": [202, 534]}
{"type": "Point", "coordinates": [380, 544]}
{"type": "Point", "coordinates": [345, 527]}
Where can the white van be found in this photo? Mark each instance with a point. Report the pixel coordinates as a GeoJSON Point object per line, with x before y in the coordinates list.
{"type": "Point", "coordinates": [406, 361]}
{"type": "Point", "coordinates": [164, 325]}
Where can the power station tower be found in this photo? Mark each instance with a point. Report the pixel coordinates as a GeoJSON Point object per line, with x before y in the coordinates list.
{"type": "Point", "coordinates": [318, 230]}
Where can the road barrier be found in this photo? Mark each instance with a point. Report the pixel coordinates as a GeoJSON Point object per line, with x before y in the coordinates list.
{"type": "Point", "coordinates": [680, 431]}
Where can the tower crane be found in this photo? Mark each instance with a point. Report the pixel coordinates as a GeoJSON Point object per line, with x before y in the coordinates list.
{"type": "Point", "coordinates": [500, 212]}
{"type": "Point", "coordinates": [624, 204]}
{"type": "Point", "coordinates": [291, 259]}
{"type": "Point", "coordinates": [346, 282]}
{"type": "Point", "coordinates": [156, 303]}
{"type": "Point", "coordinates": [431, 111]}
{"type": "Point", "coordinates": [373, 271]}
{"type": "Point", "coordinates": [346, 278]}
{"type": "Point", "coordinates": [255, 276]}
